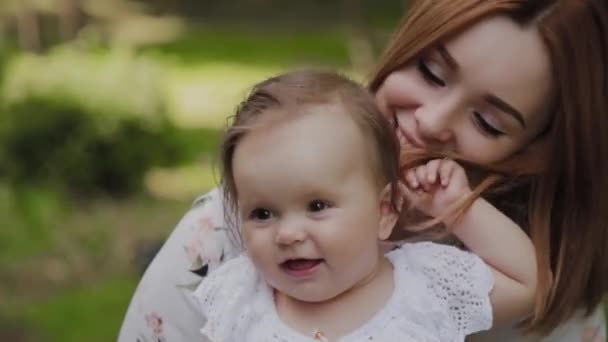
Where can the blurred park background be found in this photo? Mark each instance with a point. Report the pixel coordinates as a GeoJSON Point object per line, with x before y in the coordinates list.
{"type": "Point", "coordinates": [110, 113]}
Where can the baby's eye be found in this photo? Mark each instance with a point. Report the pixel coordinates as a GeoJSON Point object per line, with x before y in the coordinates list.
{"type": "Point", "coordinates": [318, 205]}
{"type": "Point", "coordinates": [261, 214]}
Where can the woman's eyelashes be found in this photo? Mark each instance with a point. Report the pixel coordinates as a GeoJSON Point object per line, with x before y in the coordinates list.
{"type": "Point", "coordinates": [485, 127]}
{"type": "Point", "coordinates": [427, 73]}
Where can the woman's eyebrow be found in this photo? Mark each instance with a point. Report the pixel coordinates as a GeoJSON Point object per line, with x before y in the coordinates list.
{"type": "Point", "coordinates": [505, 108]}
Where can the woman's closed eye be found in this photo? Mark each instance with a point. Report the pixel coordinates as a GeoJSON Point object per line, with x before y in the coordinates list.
{"type": "Point", "coordinates": [431, 71]}
{"type": "Point", "coordinates": [261, 214]}
{"type": "Point", "coordinates": [433, 77]}
{"type": "Point", "coordinates": [485, 127]}
{"type": "Point", "coordinates": [429, 75]}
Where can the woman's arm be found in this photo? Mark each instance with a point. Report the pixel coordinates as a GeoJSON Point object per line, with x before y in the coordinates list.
{"type": "Point", "coordinates": [162, 308]}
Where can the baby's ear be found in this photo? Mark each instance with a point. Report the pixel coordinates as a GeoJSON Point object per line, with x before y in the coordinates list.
{"type": "Point", "coordinates": [391, 201]}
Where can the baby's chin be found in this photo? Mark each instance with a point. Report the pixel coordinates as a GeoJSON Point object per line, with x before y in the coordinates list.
{"type": "Point", "coordinates": [307, 296]}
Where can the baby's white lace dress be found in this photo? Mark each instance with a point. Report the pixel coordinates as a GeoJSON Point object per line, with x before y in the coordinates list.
{"type": "Point", "coordinates": [441, 295]}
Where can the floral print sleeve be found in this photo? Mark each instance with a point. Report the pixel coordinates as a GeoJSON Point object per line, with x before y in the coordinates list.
{"type": "Point", "coordinates": [162, 308]}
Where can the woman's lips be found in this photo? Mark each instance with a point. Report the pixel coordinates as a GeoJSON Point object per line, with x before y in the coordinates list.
{"type": "Point", "coordinates": [300, 268]}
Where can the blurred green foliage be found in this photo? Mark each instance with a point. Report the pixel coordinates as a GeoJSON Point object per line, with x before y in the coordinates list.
{"type": "Point", "coordinates": [94, 312]}
{"type": "Point", "coordinates": [284, 48]}
{"type": "Point", "coordinates": [85, 123]}
{"type": "Point", "coordinates": [115, 83]}
{"type": "Point", "coordinates": [28, 216]}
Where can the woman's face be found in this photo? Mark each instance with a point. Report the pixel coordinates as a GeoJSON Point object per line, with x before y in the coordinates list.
{"type": "Point", "coordinates": [485, 94]}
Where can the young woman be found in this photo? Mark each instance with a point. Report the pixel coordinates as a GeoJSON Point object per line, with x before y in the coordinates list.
{"type": "Point", "coordinates": [518, 86]}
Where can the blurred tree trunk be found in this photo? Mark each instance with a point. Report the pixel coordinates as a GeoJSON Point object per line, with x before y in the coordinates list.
{"type": "Point", "coordinates": [167, 6]}
{"type": "Point", "coordinates": [28, 26]}
{"type": "Point", "coordinates": [360, 37]}
{"type": "Point", "coordinates": [70, 19]}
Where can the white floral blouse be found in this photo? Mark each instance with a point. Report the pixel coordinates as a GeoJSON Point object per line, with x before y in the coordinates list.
{"type": "Point", "coordinates": [163, 308]}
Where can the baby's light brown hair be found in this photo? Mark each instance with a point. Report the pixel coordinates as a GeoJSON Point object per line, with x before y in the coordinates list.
{"type": "Point", "coordinates": [291, 94]}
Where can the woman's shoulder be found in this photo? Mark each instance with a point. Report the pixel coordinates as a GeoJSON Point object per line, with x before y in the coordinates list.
{"type": "Point", "coordinates": [210, 239]}
{"type": "Point", "coordinates": [200, 243]}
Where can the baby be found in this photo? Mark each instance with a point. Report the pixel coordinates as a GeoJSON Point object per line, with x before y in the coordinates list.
{"type": "Point", "coordinates": [311, 176]}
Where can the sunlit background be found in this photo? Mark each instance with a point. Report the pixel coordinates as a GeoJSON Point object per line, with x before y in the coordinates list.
{"type": "Point", "coordinates": [110, 114]}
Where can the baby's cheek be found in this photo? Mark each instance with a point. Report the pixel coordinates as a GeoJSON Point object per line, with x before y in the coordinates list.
{"type": "Point", "coordinates": [250, 238]}
{"type": "Point", "coordinates": [257, 245]}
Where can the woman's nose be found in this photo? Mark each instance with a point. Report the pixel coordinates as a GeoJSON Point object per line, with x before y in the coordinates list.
{"type": "Point", "coordinates": [435, 121]}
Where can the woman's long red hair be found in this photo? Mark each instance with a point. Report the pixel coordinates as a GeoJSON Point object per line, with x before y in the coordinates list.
{"type": "Point", "coordinates": [564, 172]}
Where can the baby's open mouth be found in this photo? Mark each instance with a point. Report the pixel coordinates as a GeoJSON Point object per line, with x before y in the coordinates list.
{"type": "Point", "coordinates": [300, 264]}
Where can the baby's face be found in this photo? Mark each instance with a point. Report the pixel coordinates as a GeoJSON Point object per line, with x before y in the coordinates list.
{"type": "Point", "coordinates": [309, 204]}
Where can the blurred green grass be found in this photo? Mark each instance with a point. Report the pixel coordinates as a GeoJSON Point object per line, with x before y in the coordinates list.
{"type": "Point", "coordinates": [93, 311]}
{"type": "Point", "coordinates": [73, 282]}
{"type": "Point", "coordinates": [270, 48]}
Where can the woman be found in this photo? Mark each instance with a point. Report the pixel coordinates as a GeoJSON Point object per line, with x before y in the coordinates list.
{"type": "Point", "coordinates": [517, 85]}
